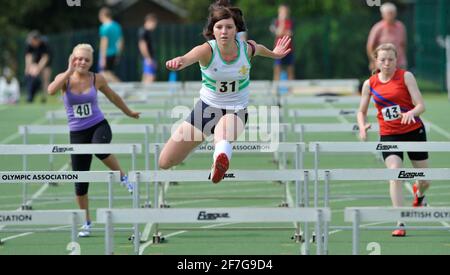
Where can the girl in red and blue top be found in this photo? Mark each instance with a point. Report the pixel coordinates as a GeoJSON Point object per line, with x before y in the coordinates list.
{"type": "Point", "coordinates": [399, 104]}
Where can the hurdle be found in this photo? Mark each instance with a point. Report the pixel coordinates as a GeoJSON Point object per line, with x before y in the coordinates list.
{"type": "Point", "coordinates": [51, 130]}
{"type": "Point", "coordinates": [327, 112]}
{"type": "Point", "coordinates": [299, 100]}
{"type": "Point", "coordinates": [370, 147]}
{"type": "Point", "coordinates": [301, 129]}
{"type": "Point", "coordinates": [384, 214]}
{"type": "Point", "coordinates": [378, 174]}
{"type": "Point", "coordinates": [296, 176]}
{"type": "Point", "coordinates": [66, 149]}
{"type": "Point", "coordinates": [59, 217]}
{"type": "Point", "coordinates": [320, 86]}
{"type": "Point", "coordinates": [297, 149]}
{"type": "Point", "coordinates": [208, 215]}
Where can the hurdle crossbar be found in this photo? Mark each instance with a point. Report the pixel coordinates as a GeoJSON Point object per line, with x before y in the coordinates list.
{"type": "Point", "coordinates": [212, 215]}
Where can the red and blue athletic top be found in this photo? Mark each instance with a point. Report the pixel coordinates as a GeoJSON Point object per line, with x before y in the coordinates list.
{"type": "Point", "coordinates": [391, 99]}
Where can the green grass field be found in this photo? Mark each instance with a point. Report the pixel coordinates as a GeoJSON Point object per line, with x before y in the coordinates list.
{"type": "Point", "coordinates": [251, 194]}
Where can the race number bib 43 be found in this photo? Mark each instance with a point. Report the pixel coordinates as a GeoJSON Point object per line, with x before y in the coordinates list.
{"type": "Point", "coordinates": [227, 87]}
{"type": "Point", "coordinates": [82, 110]}
{"type": "Point", "coordinates": [391, 113]}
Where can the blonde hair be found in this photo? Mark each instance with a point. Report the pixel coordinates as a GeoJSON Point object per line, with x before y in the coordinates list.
{"type": "Point", "coordinates": [383, 47]}
{"type": "Point", "coordinates": [84, 47]}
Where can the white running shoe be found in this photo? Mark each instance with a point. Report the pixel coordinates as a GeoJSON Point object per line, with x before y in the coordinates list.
{"type": "Point", "coordinates": [85, 230]}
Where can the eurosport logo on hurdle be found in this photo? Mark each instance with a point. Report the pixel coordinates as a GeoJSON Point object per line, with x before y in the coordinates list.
{"type": "Point", "coordinates": [411, 175]}
{"type": "Point", "coordinates": [205, 216]}
{"type": "Point", "coordinates": [373, 3]}
{"type": "Point", "coordinates": [73, 3]}
{"type": "Point", "coordinates": [263, 124]}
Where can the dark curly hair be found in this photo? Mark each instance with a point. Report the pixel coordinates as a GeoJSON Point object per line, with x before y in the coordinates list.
{"type": "Point", "coordinates": [221, 10]}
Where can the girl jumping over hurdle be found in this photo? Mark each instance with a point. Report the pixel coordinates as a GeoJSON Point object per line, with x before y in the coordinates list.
{"type": "Point", "coordinates": [399, 103]}
{"type": "Point", "coordinates": [225, 64]}
{"type": "Point", "coordinates": [87, 123]}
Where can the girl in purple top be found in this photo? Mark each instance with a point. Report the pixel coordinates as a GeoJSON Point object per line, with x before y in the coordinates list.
{"type": "Point", "coordinates": [86, 121]}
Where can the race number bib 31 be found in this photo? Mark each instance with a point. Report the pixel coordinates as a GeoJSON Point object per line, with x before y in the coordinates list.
{"type": "Point", "coordinates": [82, 110]}
{"type": "Point", "coordinates": [227, 87]}
{"type": "Point", "coordinates": [391, 113]}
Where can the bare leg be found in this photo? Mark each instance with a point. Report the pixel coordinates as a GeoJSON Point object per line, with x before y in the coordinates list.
{"type": "Point", "coordinates": [181, 143]}
{"type": "Point", "coordinates": [291, 72]}
{"type": "Point", "coordinates": [229, 128]}
{"type": "Point", "coordinates": [276, 72]}
{"type": "Point", "coordinates": [112, 163]}
{"type": "Point", "coordinates": [148, 79]}
{"type": "Point", "coordinates": [83, 203]}
{"type": "Point", "coordinates": [422, 184]}
{"type": "Point", "coordinates": [395, 162]}
{"type": "Point", "coordinates": [45, 75]}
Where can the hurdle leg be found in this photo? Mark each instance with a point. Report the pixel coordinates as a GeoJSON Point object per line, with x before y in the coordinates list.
{"type": "Point", "coordinates": [109, 235]}
{"type": "Point", "coordinates": [326, 205]}
{"type": "Point", "coordinates": [73, 235]}
{"type": "Point", "coordinates": [25, 206]}
{"type": "Point", "coordinates": [356, 223]}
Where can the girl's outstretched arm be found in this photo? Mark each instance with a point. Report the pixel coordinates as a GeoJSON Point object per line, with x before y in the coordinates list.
{"type": "Point", "coordinates": [281, 49]}
{"type": "Point", "coordinates": [200, 54]}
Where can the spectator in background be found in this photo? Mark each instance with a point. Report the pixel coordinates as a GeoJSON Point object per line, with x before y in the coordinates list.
{"type": "Point", "coordinates": [9, 87]}
{"type": "Point", "coordinates": [37, 65]}
{"type": "Point", "coordinates": [147, 49]}
{"type": "Point", "coordinates": [283, 26]}
{"type": "Point", "coordinates": [111, 45]}
{"type": "Point", "coordinates": [388, 30]}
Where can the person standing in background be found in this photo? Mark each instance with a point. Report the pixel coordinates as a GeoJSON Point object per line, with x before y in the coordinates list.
{"type": "Point", "coordinates": [37, 65]}
{"type": "Point", "coordinates": [111, 45]}
{"type": "Point", "coordinates": [147, 49]}
{"type": "Point", "coordinates": [388, 30]}
{"type": "Point", "coordinates": [281, 27]}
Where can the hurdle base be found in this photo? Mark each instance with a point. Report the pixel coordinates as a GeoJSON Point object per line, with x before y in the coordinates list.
{"type": "Point", "coordinates": [298, 238]}
{"type": "Point", "coordinates": [158, 238]}
{"type": "Point", "coordinates": [146, 205]}
{"type": "Point", "coordinates": [25, 207]}
{"type": "Point", "coordinates": [164, 205]}
{"type": "Point", "coordinates": [131, 239]}
{"type": "Point", "coordinates": [314, 238]}
{"type": "Point", "coordinates": [284, 205]}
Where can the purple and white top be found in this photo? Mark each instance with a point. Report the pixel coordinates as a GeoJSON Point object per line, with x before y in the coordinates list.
{"type": "Point", "coordinates": [82, 109]}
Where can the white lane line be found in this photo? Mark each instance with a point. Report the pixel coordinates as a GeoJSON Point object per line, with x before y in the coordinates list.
{"type": "Point", "coordinates": [436, 128]}
{"type": "Point", "coordinates": [31, 233]}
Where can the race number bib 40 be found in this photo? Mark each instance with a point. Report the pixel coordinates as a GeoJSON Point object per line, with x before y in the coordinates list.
{"type": "Point", "coordinates": [227, 87]}
{"type": "Point", "coordinates": [82, 110]}
{"type": "Point", "coordinates": [391, 113]}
